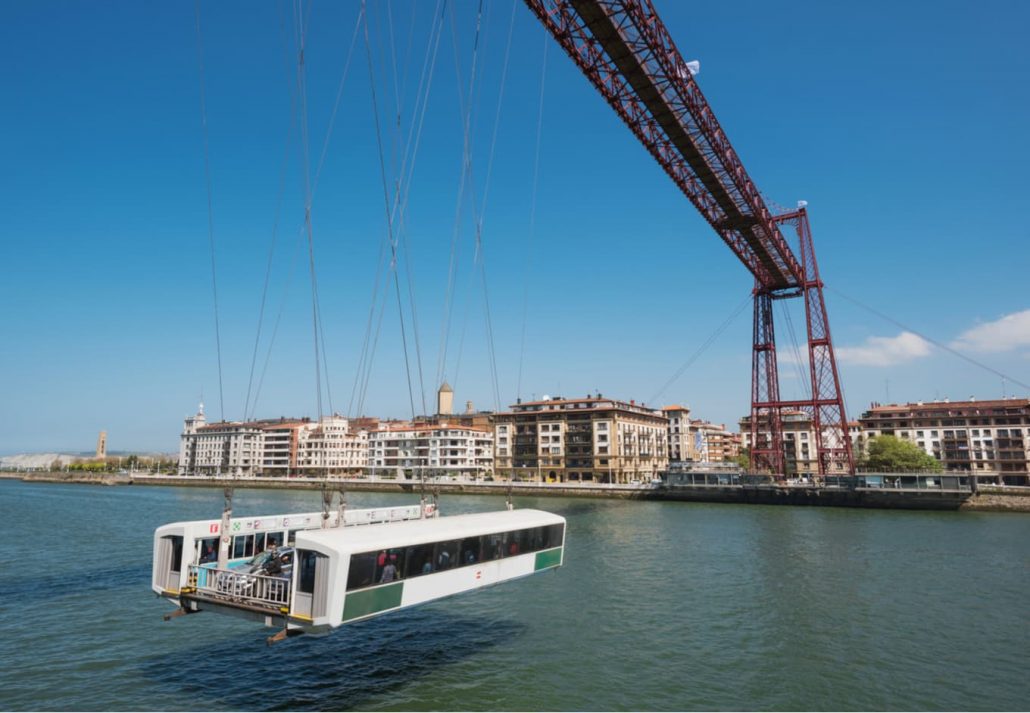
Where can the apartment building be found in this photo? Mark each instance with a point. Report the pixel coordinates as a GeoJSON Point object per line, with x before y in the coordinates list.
{"type": "Point", "coordinates": [576, 440]}
{"type": "Point", "coordinates": [409, 449]}
{"type": "Point", "coordinates": [714, 443]}
{"type": "Point", "coordinates": [221, 448]}
{"type": "Point", "coordinates": [683, 445]}
{"type": "Point", "coordinates": [697, 440]}
{"type": "Point", "coordinates": [275, 447]}
{"type": "Point", "coordinates": [331, 448]}
{"type": "Point", "coordinates": [989, 439]}
{"type": "Point", "coordinates": [799, 447]}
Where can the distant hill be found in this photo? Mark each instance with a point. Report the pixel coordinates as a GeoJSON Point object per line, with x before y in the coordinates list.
{"type": "Point", "coordinates": [35, 460]}
{"type": "Point", "coordinates": [32, 461]}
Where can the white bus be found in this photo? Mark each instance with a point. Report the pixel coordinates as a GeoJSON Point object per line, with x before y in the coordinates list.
{"type": "Point", "coordinates": [342, 575]}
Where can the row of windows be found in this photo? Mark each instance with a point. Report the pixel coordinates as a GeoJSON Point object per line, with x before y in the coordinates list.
{"type": "Point", "coordinates": [243, 545]}
{"type": "Point", "coordinates": [384, 566]}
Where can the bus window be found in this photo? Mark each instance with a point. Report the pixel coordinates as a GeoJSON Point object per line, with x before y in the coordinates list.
{"type": "Point", "coordinates": [493, 547]}
{"type": "Point", "coordinates": [446, 554]}
{"type": "Point", "coordinates": [306, 579]}
{"type": "Point", "coordinates": [292, 538]}
{"type": "Point", "coordinates": [418, 560]}
{"type": "Point", "coordinates": [470, 552]}
{"type": "Point", "coordinates": [362, 570]}
{"type": "Point", "coordinates": [514, 546]}
{"type": "Point", "coordinates": [524, 540]}
{"type": "Point", "coordinates": [388, 558]}
{"type": "Point", "coordinates": [208, 550]}
{"type": "Point", "coordinates": [242, 546]}
{"type": "Point", "coordinates": [273, 538]}
{"type": "Point", "coordinates": [554, 536]}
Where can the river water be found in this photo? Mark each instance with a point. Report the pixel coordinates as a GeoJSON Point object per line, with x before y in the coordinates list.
{"type": "Point", "coordinates": [661, 606]}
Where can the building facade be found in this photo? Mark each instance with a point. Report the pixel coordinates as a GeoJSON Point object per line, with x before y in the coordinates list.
{"type": "Point", "coordinates": [592, 439]}
{"type": "Point", "coordinates": [680, 436]}
{"type": "Point", "coordinates": [989, 439]}
{"type": "Point", "coordinates": [331, 448]}
{"type": "Point", "coordinates": [279, 447]}
{"type": "Point", "coordinates": [408, 450]}
{"type": "Point", "coordinates": [699, 441]}
{"type": "Point", "coordinates": [799, 448]}
{"type": "Point", "coordinates": [715, 444]}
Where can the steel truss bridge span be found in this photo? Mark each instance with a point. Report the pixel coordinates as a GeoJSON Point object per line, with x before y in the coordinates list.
{"type": "Point", "coordinates": [627, 53]}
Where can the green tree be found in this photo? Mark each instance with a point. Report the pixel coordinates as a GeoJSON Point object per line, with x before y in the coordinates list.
{"type": "Point", "coordinates": [743, 459]}
{"type": "Point", "coordinates": [894, 454]}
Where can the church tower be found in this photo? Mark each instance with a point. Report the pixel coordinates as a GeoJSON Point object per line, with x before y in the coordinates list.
{"type": "Point", "coordinates": [445, 400]}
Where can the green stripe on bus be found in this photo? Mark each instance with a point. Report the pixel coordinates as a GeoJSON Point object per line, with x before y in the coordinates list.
{"type": "Point", "coordinates": [548, 558]}
{"type": "Point", "coordinates": [370, 601]}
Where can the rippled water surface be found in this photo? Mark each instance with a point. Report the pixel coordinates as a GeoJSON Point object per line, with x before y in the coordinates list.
{"type": "Point", "coordinates": [664, 606]}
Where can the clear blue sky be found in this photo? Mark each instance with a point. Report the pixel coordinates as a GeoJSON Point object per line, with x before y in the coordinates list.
{"type": "Point", "coordinates": [904, 126]}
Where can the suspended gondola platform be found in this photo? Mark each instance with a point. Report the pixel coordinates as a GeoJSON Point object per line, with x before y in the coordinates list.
{"type": "Point", "coordinates": [310, 573]}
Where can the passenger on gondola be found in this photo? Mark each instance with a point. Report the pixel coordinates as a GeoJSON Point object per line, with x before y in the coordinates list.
{"type": "Point", "coordinates": [389, 573]}
{"type": "Point", "coordinates": [210, 554]}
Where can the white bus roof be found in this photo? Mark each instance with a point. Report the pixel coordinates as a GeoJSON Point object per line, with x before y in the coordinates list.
{"type": "Point", "coordinates": [434, 529]}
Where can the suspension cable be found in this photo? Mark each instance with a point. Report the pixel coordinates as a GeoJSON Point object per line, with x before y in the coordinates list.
{"type": "Point", "coordinates": [278, 318]}
{"type": "Point", "coordinates": [934, 342]}
{"type": "Point", "coordinates": [795, 350]}
{"type": "Point", "coordinates": [389, 220]}
{"type": "Point", "coordinates": [479, 252]}
{"type": "Point", "coordinates": [301, 30]}
{"type": "Point", "coordinates": [275, 235]}
{"type": "Point", "coordinates": [466, 163]}
{"type": "Point", "coordinates": [397, 213]}
{"type": "Point", "coordinates": [532, 217]}
{"type": "Point", "coordinates": [210, 207]}
{"type": "Point", "coordinates": [701, 350]}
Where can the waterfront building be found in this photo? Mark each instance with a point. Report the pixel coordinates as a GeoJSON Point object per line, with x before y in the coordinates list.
{"type": "Point", "coordinates": [681, 438]}
{"type": "Point", "coordinates": [715, 443]}
{"type": "Point", "coordinates": [102, 445]}
{"type": "Point", "coordinates": [699, 441]}
{"type": "Point", "coordinates": [575, 440]}
{"type": "Point", "coordinates": [331, 448]}
{"type": "Point", "coordinates": [273, 447]}
{"type": "Point", "coordinates": [989, 439]}
{"type": "Point", "coordinates": [222, 448]}
{"type": "Point", "coordinates": [434, 449]}
{"type": "Point", "coordinates": [798, 441]}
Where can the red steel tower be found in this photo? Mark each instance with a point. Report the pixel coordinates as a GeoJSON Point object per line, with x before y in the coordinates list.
{"type": "Point", "coordinates": [626, 52]}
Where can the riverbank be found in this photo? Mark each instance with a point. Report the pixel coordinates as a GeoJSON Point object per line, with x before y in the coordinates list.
{"type": "Point", "coordinates": [995, 499]}
{"type": "Point", "coordinates": [987, 499]}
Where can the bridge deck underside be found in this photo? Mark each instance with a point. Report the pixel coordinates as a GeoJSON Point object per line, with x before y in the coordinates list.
{"type": "Point", "coordinates": [737, 219]}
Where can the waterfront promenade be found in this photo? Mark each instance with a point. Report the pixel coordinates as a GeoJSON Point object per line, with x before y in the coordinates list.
{"type": "Point", "coordinates": [918, 497]}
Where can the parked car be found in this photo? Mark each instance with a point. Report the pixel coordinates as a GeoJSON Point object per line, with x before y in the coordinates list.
{"type": "Point", "coordinates": [278, 563]}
